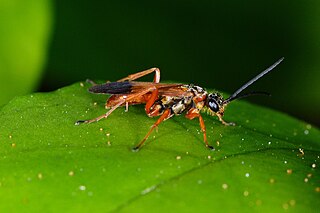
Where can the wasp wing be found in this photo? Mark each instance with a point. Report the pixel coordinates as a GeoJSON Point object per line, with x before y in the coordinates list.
{"type": "Point", "coordinates": [112, 88]}
{"type": "Point", "coordinates": [133, 87]}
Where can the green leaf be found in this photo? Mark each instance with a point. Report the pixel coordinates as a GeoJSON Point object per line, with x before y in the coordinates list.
{"type": "Point", "coordinates": [48, 163]}
{"type": "Point", "coordinates": [25, 28]}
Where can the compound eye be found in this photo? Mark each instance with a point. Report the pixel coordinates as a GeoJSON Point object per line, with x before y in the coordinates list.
{"type": "Point", "coordinates": [213, 105]}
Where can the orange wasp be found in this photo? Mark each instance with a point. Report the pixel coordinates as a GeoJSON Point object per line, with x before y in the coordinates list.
{"type": "Point", "coordinates": [166, 100]}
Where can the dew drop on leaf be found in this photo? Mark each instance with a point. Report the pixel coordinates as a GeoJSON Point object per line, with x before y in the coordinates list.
{"type": "Point", "coordinates": [225, 186]}
{"type": "Point", "coordinates": [82, 187]}
{"type": "Point", "coordinates": [292, 202]}
{"type": "Point", "coordinates": [272, 180]}
{"type": "Point", "coordinates": [40, 176]}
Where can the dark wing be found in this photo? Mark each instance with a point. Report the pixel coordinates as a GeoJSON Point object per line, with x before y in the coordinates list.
{"type": "Point", "coordinates": [112, 88]}
{"type": "Point", "coordinates": [132, 87]}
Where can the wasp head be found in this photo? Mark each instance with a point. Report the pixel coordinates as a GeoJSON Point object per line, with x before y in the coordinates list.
{"type": "Point", "coordinates": [215, 103]}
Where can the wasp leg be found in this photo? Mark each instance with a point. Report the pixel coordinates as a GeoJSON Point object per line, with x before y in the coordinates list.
{"type": "Point", "coordinates": [114, 107]}
{"type": "Point", "coordinates": [224, 122]}
{"type": "Point", "coordinates": [127, 107]}
{"type": "Point", "coordinates": [101, 116]}
{"type": "Point", "coordinates": [91, 82]}
{"type": "Point", "coordinates": [152, 99]}
{"type": "Point", "coordinates": [194, 113]}
{"type": "Point", "coordinates": [137, 75]}
{"type": "Point", "coordinates": [167, 114]}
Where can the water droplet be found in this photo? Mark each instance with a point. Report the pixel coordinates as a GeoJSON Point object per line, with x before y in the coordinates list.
{"type": "Point", "coordinates": [178, 157]}
{"type": "Point", "coordinates": [82, 187]}
{"type": "Point", "coordinates": [199, 181]}
{"type": "Point", "coordinates": [272, 180]}
{"type": "Point", "coordinates": [306, 132]}
{"type": "Point", "coordinates": [225, 186]}
{"type": "Point", "coordinates": [306, 180]}
{"type": "Point", "coordinates": [313, 165]}
{"type": "Point", "coordinates": [301, 151]}
{"type": "Point", "coordinates": [292, 202]}
{"type": "Point", "coordinates": [245, 193]}
{"type": "Point", "coordinates": [269, 143]}
{"type": "Point", "coordinates": [148, 190]}
{"type": "Point", "coordinates": [40, 176]}
{"type": "Point", "coordinates": [285, 206]}
{"type": "Point", "coordinates": [247, 175]}
{"type": "Point", "coordinates": [71, 173]}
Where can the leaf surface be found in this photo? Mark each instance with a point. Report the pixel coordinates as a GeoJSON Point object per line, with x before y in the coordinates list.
{"type": "Point", "coordinates": [268, 162]}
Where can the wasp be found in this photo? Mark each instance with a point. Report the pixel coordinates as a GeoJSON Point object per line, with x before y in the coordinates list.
{"type": "Point", "coordinates": [168, 99]}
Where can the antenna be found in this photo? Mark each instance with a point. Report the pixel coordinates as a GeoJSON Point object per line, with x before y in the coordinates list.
{"type": "Point", "coordinates": [236, 93]}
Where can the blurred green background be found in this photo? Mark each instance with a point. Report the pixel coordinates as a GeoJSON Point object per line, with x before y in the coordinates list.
{"type": "Point", "coordinates": [215, 44]}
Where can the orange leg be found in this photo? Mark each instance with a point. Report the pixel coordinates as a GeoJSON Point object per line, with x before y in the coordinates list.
{"type": "Point", "coordinates": [152, 99]}
{"type": "Point", "coordinates": [137, 75]}
{"type": "Point", "coordinates": [194, 113]}
{"type": "Point", "coordinates": [164, 116]}
{"type": "Point", "coordinates": [224, 122]}
{"type": "Point", "coordinates": [122, 101]}
{"type": "Point", "coordinates": [101, 116]}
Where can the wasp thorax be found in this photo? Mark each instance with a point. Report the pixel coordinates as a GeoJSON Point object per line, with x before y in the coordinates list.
{"type": "Point", "coordinates": [214, 102]}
